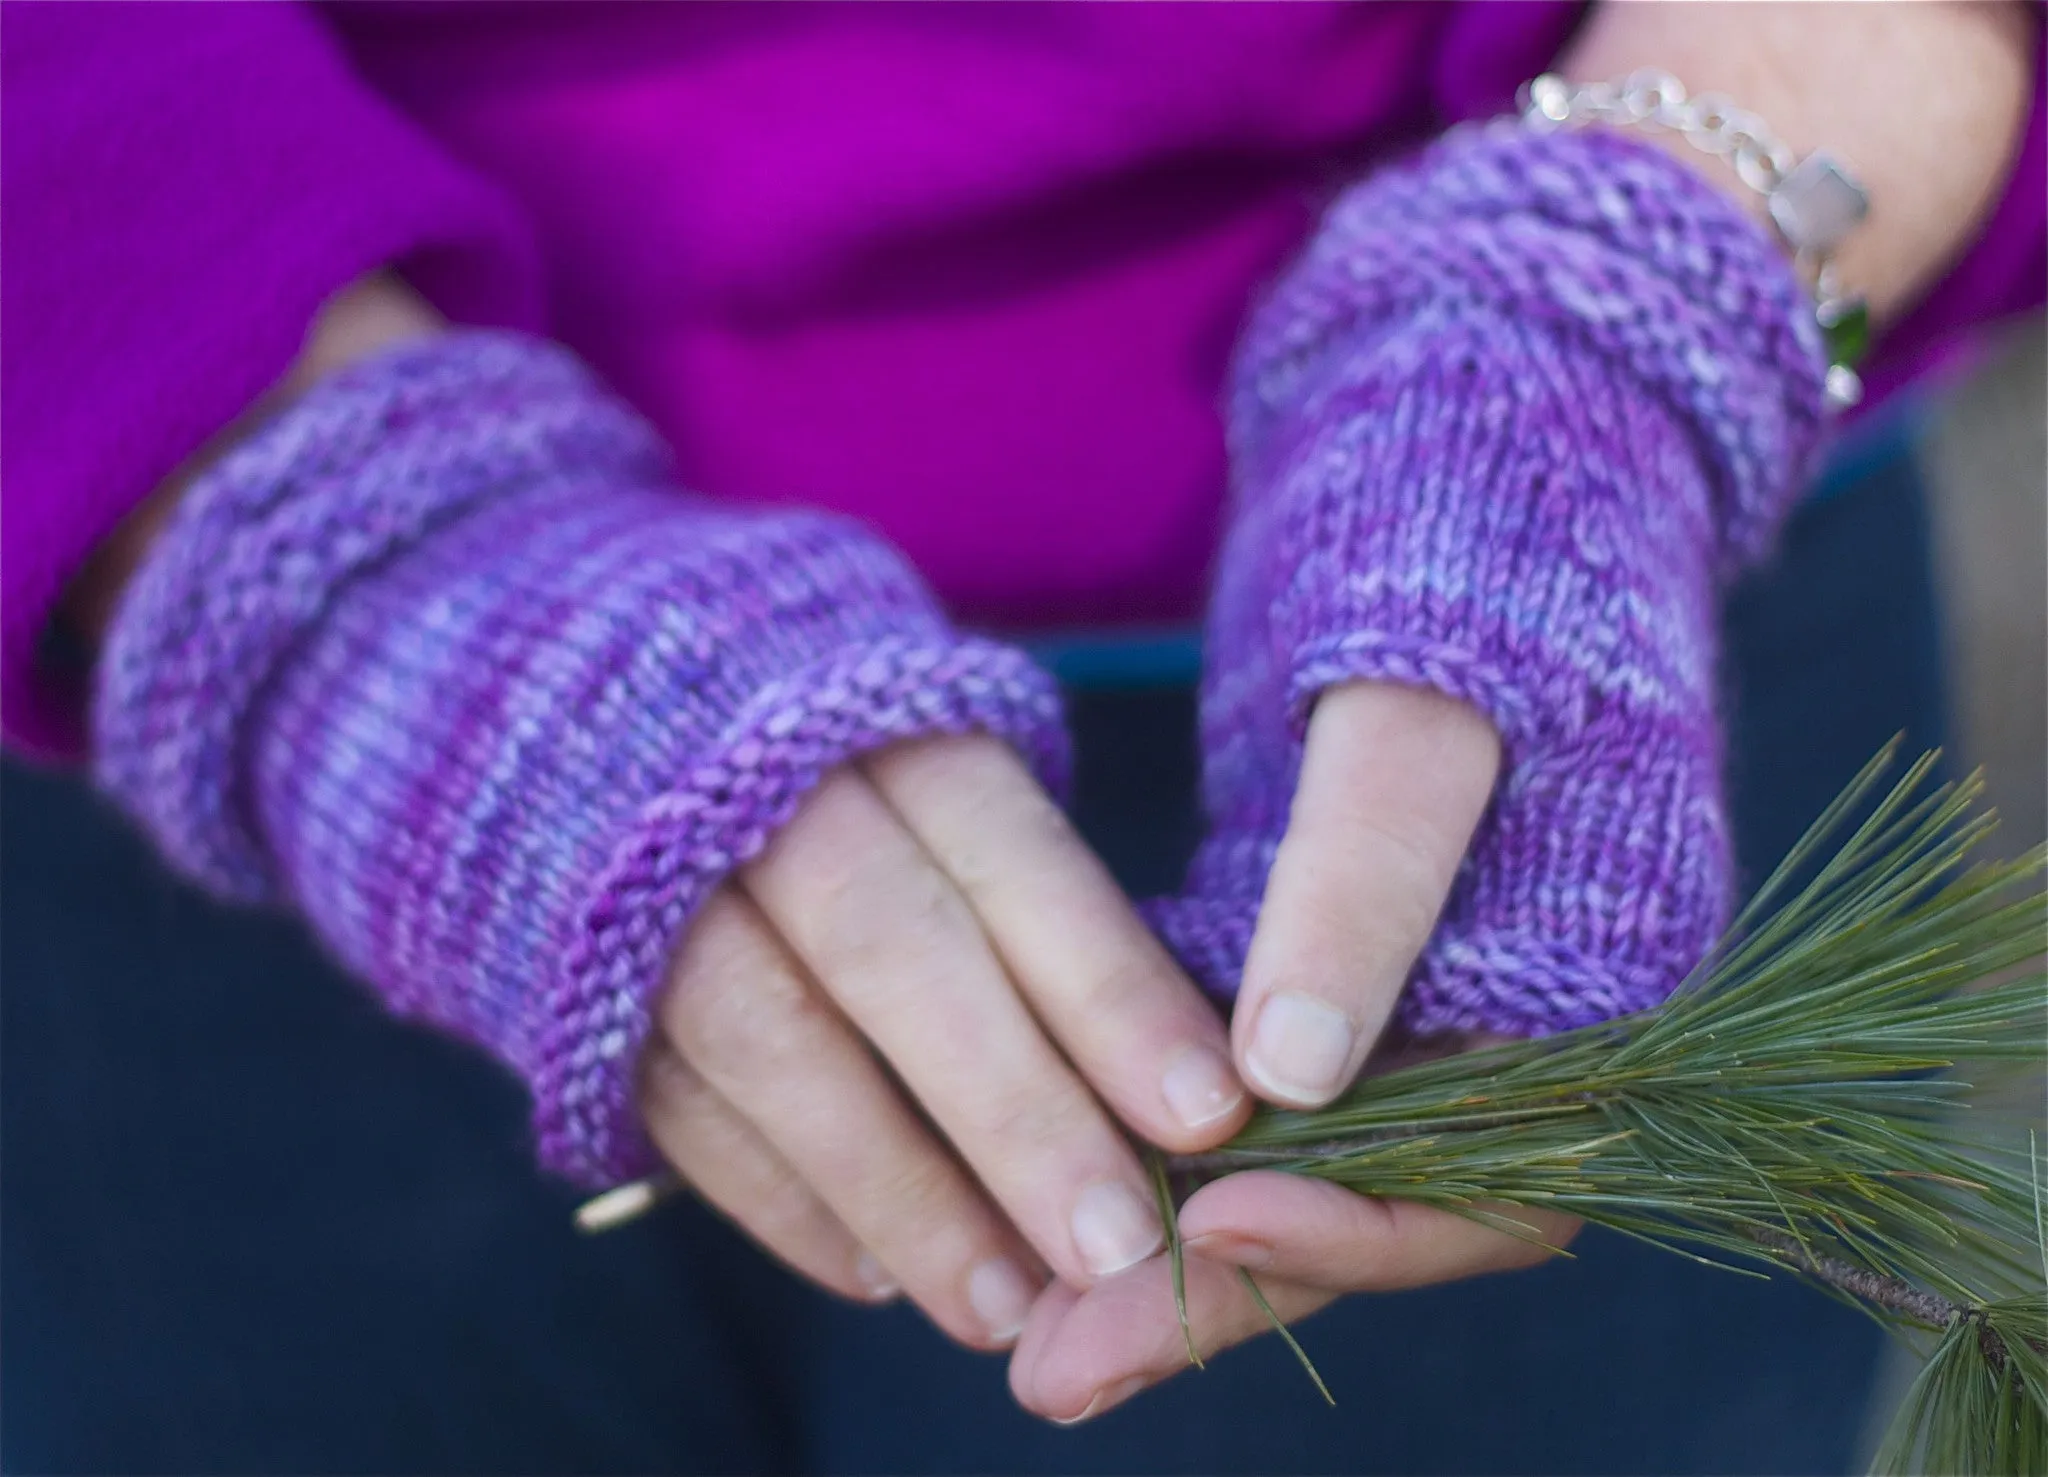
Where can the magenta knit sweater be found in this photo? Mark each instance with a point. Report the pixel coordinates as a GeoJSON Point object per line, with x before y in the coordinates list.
{"type": "Point", "coordinates": [971, 274]}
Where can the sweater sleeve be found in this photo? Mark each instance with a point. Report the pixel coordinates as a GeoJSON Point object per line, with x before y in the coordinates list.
{"type": "Point", "coordinates": [185, 185]}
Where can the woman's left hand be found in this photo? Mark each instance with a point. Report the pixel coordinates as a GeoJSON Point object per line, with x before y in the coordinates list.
{"type": "Point", "coordinates": [1393, 783]}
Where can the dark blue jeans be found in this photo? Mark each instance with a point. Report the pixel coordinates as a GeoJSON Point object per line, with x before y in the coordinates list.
{"type": "Point", "coordinates": [248, 1224]}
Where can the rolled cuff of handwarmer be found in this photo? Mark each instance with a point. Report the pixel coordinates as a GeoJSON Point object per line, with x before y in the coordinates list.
{"type": "Point", "coordinates": [375, 464]}
{"type": "Point", "coordinates": [440, 660]}
{"type": "Point", "coordinates": [679, 846]}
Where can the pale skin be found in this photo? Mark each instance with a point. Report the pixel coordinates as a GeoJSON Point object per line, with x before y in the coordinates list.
{"type": "Point", "coordinates": [910, 1046]}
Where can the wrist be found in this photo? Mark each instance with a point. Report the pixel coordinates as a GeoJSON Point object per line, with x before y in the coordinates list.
{"type": "Point", "coordinates": [1929, 102]}
{"type": "Point", "coordinates": [1810, 205]}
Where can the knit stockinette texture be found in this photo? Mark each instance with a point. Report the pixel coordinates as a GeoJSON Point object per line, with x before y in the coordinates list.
{"type": "Point", "coordinates": [443, 660]}
{"type": "Point", "coordinates": [1524, 406]}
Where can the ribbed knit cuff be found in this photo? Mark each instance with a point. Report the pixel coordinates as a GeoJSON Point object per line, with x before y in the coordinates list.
{"type": "Point", "coordinates": [441, 659]}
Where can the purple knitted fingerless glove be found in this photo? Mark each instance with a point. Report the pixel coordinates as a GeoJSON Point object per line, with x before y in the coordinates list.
{"type": "Point", "coordinates": [442, 659]}
{"type": "Point", "coordinates": [1505, 431]}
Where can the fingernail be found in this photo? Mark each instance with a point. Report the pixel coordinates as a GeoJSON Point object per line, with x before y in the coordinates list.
{"type": "Point", "coordinates": [1107, 1398]}
{"type": "Point", "coordinates": [1238, 1251]}
{"type": "Point", "coordinates": [874, 1278]}
{"type": "Point", "coordinates": [1301, 1049]}
{"type": "Point", "coordinates": [1115, 1227]}
{"type": "Point", "coordinates": [1001, 1296]}
{"type": "Point", "coordinates": [1200, 1087]}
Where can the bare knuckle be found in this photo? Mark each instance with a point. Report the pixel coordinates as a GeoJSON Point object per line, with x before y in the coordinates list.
{"type": "Point", "coordinates": [1029, 1124]}
{"type": "Point", "coordinates": [668, 1086]}
{"type": "Point", "coordinates": [741, 1019]}
{"type": "Point", "coordinates": [1028, 811]}
{"type": "Point", "coordinates": [1038, 816]}
{"type": "Point", "coordinates": [918, 1194]}
{"type": "Point", "coordinates": [1409, 918]}
{"type": "Point", "coordinates": [1423, 866]}
{"type": "Point", "coordinates": [781, 1211]}
{"type": "Point", "coordinates": [929, 909]}
{"type": "Point", "coordinates": [870, 933]}
{"type": "Point", "coordinates": [835, 887]}
{"type": "Point", "coordinates": [1361, 894]}
{"type": "Point", "coordinates": [909, 765]}
{"type": "Point", "coordinates": [694, 1011]}
{"type": "Point", "coordinates": [1123, 984]}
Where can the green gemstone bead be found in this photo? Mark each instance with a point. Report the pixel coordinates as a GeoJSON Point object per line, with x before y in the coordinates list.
{"type": "Point", "coordinates": [1846, 332]}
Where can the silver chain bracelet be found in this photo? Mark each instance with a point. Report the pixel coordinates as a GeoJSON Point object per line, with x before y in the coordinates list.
{"type": "Point", "coordinates": [1814, 202]}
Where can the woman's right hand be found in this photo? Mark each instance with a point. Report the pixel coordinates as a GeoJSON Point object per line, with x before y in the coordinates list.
{"type": "Point", "coordinates": [862, 1052]}
{"type": "Point", "coordinates": [895, 1049]}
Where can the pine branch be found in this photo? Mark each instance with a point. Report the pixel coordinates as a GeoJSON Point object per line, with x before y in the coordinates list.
{"type": "Point", "coordinates": [1894, 1294]}
{"type": "Point", "coordinates": [1797, 1103]}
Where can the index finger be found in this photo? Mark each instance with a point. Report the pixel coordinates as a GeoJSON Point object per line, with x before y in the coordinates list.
{"type": "Point", "coordinates": [1144, 1037]}
{"type": "Point", "coordinates": [1393, 782]}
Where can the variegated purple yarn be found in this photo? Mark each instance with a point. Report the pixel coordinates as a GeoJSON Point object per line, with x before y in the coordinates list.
{"type": "Point", "coordinates": [1505, 431]}
{"type": "Point", "coordinates": [442, 659]}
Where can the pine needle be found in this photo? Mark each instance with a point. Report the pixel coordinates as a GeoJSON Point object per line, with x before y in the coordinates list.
{"type": "Point", "coordinates": [1803, 1104]}
{"type": "Point", "coordinates": [1176, 1253]}
{"type": "Point", "coordinates": [1286, 1335]}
